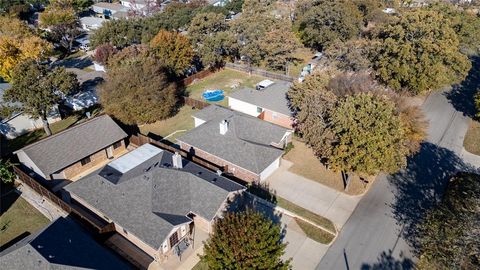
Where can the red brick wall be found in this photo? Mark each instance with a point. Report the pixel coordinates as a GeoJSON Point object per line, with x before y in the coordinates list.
{"type": "Point", "coordinates": [95, 159]}
{"type": "Point", "coordinates": [280, 119]}
{"type": "Point", "coordinates": [233, 169]}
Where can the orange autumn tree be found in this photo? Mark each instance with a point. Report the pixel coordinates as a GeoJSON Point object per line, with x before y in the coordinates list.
{"type": "Point", "coordinates": [174, 50]}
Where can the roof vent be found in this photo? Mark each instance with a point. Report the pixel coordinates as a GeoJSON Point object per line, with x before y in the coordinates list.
{"type": "Point", "coordinates": [177, 161]}
{"type": "Point", "coordinates": [223, 127]}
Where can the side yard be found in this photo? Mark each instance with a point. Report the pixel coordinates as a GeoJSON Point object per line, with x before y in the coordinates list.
{"type": "Point", "coordinates": [227, 80]}
{"type": "Point", "coordinates": [306, 164]}
{"type": "Point", "coordinates": [17, 218]}
{"type": "Point", "coordinates": [472, 138]}
{"type": "Point", "coordinates": [179, 122]}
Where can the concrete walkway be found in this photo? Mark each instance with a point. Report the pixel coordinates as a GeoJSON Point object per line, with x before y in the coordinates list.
{"type": "Point", "coordinates": [47, 208]}
{"type": "Point", "coordinates": [313, 196]}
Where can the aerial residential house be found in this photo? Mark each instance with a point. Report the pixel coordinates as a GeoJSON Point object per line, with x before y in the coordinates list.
{"type": "Point", "coordinates": [61, 245]}
{"type": "Point", "coordinates": [267, 102]}
{"type": "Point", "coordinates": [155, 199]}
{"type": "Point", "coordinates": [108, 10]}
{"type": "Point", "coordinates": [19, 123]}
{"type": "Point", "coordinates": [72, 152]}
{"type": "Point", "coordinates": [91, 23]}
{"type": "Point", "coordinates": [245, 146]}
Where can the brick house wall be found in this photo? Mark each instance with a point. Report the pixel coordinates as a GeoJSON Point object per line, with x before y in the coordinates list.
{"type": "Point", "coordinates": [95, 159]}
{"type": "Point", "coordinates": [277, 118]}
{"type": "Point", "coordinates": [241, 173]}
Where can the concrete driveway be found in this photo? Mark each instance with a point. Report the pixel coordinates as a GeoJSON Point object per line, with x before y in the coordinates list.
{"type": "Point", "coordinates": [311, 195]}
{"type": "Point", "coordinates": [304, 252]}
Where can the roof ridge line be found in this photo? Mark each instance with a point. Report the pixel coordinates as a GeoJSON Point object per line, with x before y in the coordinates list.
{"type": "Point", "coordinates": [64, 131]}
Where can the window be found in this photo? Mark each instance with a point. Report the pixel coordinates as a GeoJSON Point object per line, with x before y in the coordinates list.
{"type": "Point", "coordinates": [117, 145]}
{"type": "Point", "coordinates": [259, 110]}
{"type": "Point", "coordinates": [173, 239]}
{"type": "Point", "coordinates": [85, 161]}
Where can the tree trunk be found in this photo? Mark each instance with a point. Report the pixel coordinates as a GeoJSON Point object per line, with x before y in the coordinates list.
{"type": "Point", "coordinates": [46, 126]}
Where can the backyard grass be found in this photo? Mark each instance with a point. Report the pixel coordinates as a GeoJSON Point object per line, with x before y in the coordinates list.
{"type": "Point", "coordinates": [304, 55]}
{"type": "Point", "coordinates": [181, 121]}
{"type": "Point", "coordinates": [227, 80]}
{"type": "Point", "coordinates": [306, 164]}
{"type": "Point", "coordinates": [315, 233]}
{"type": "Point", "coordinates": [200, 266]}
{"type": "Point", "coordinates": [472, 138]}
{"type": "Point", "coordinates": [317, 219]}
{"type": "Point", "coordinates": [18, 218]}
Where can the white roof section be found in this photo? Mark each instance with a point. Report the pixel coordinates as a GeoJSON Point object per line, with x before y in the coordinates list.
{"type": "Point", "coordinates": [265, 83]}
{"type": "Point", "coordinates": [134, 158]}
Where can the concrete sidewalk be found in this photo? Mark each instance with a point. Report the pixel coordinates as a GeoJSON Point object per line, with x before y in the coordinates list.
{"type": "Point", "coordinates": [313, 196]}
{"type": "Point", "coordinates": [44, 206]}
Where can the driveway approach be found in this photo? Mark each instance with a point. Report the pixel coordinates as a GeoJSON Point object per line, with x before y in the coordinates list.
{"type": "Point", "coordinates": [379, 233]}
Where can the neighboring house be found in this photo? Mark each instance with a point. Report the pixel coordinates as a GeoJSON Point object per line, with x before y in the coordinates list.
{"type": "Point", "coordinates": [247, 147]}
{"type": "Point", "coordinates": [107, 10]}
{"type": "Point", "coordinates": [155, 199]}
{"type": "Point", "coordinates": [91, 23]}
{"type": "Point", "coordinates": [75, 150]}
{"type": "Point", "coordinates": [269, 103]}
{"type": "Point", "coordinates": [61, 245]}
{"type": "Point", "coordinates": [19, 123]}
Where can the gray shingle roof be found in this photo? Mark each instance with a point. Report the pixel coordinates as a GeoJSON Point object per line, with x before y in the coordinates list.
{"type": "Point", "coordinates": [246, 144]}
{"type": "Point", "coordinates": [58, 151]}
{"type": "Point", "coordinates": [61, 245]}
{"type": "Point", "coordinates": [273, 98]}
{"type": "Point", "coordinates": [158, 198]}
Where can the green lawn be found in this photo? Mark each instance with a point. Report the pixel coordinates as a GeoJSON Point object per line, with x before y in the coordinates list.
{"type": "Point", "coordinates": [181, 121]}
{"type": "Point", "coordinates": [472, 138]}
{"type": "Point", "coordinates": [18, 217]}
{"type": "Point", "coordinates": [317, 219]}
{"type": "Point", "coordinates": [227, 80]}
{"type": "Point", "coordinates": [314, 232]}
{"type": "Point", "coordinates": [200, 266]}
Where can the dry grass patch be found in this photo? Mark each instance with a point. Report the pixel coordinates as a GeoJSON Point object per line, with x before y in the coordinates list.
{"type": "Point", "coordinates": [472, 138]}
{"type": "Point", "coordinates": [306, 164]}
{"type": "Point", "coordinates": [314, 232]}
{"type": "Point", "coordinates": [181, 121]}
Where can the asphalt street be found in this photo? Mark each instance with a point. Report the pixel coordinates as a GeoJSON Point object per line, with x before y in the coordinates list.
{"type": "Point", "coordinates": [379, 234]}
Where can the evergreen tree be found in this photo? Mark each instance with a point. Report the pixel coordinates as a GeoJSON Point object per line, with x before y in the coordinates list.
{"type": "Point", "coordinates": [245, 240]}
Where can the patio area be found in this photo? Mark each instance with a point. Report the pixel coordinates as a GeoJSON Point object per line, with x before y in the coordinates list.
{"type": "Point", "coordinates": [189, 257]}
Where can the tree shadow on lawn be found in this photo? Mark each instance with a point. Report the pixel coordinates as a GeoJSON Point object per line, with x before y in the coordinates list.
{"type": "Point", "coordinates": [462, 95]}
{"type": "Point", "coordinates": [421, 185]}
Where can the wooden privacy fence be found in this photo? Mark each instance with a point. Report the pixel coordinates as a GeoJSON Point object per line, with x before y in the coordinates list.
{"type": "Point", "coordinates": [258, 71]}
{"type": "Point", "coordinates": [197, 76]}
{"type": "Point", "coordinates": [45, 193]}
{"type": "Point", "coordinates": [195, 103]}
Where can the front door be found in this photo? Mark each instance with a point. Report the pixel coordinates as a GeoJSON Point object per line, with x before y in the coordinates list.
{"type": "Point", "coordinates": [110, 152]}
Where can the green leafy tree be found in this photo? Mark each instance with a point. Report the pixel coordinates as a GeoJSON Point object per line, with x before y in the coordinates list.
{"type": "Point", "coordinates": [245, 240]}
{"type": "Point", "coordinates": [119, 33]}
{"type": "Point", "coordinates": [370, 136]}
{"type": "Point", "coordinates": [449, 235]}
{"type": "Point", "coordinates": [218, 48]}
{"type": "Point", "coordinates": [420, 53]}
{"type": "Point", "coordinates": [39, 89]}
{"type": "Point", "coordinates": [352, 55]}
{"type": "Point", "coordinates": [321, 22]}
{"type": "Point", "coordinates": [62, 21]}
{"type": "Point", "coordinates": [174, 50]}
{"type": "Point", "coordinates": [137, 91]}
{"type": "Point", "coordinates": [205, 25]}
{"type": "Point", "coordinates": [278, 46]}
{"type": "Point", "coordinates": [234, 6]}
{"type": "Point", "coordinates": [6, 172]}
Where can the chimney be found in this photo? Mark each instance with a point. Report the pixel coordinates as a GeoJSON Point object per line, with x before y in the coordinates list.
{"type": "Point", "coordinates": [223, 127]}
{"type": "Point", "coordinates": [177, 161]}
